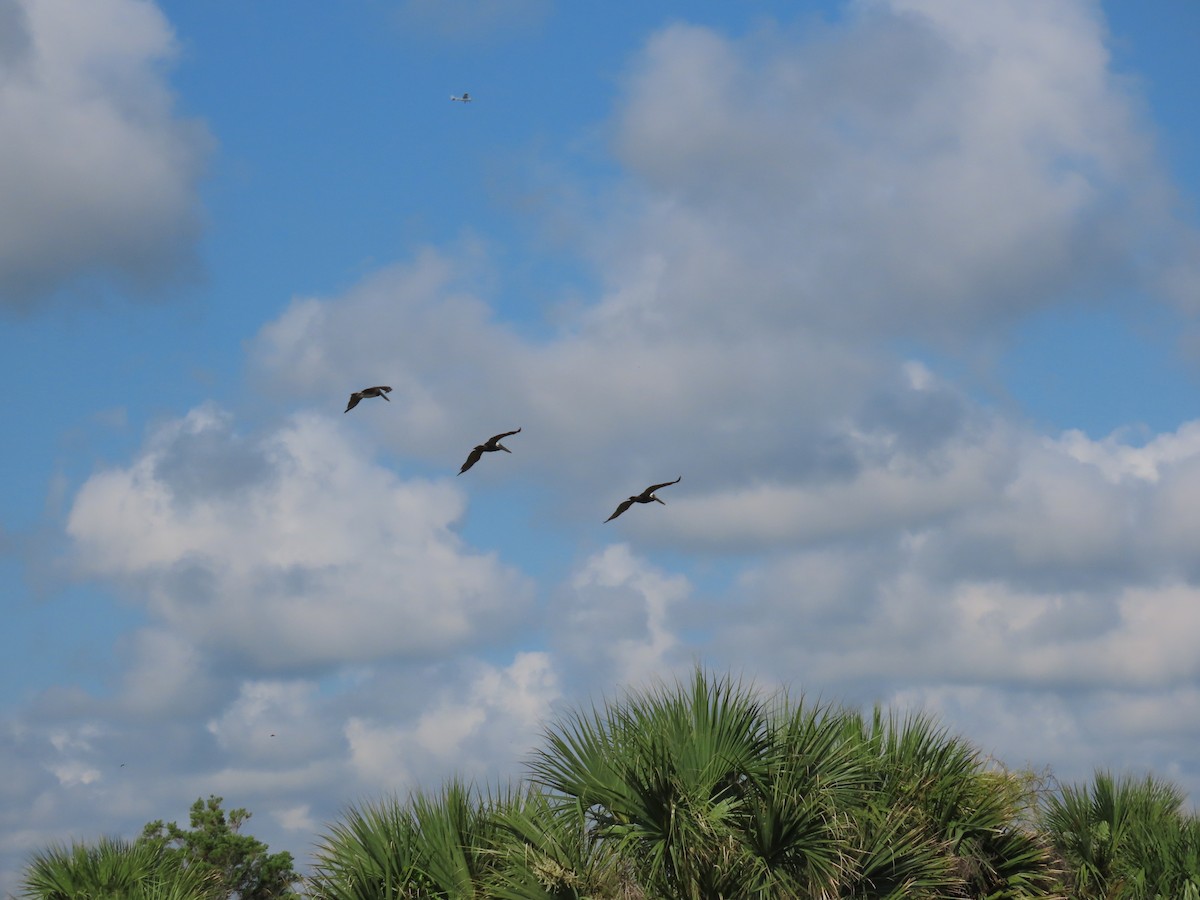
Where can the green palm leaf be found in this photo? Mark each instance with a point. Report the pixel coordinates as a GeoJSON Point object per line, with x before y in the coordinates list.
{"type": "Point", "coordinates": [114, 870]}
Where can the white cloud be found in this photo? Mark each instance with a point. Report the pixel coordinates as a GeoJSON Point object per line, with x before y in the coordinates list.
{"type": "Point", "coordinates": [791, 206]}
{"type": "Point", "coordinates": [589, 400]}
{"type": "Point", "coordinates": [1063, 594]}
{"type": "Point", "coordinates": [270, 719]}
{"type": "Point", "coordinates": [379, 753]}
{"type": "Point", "coordinates": [337, 740]}
{"type": "Point", "coordinates": [73, 772]}
{"type": "Point", "coordinates": [618, 618]}
{"type": "Point", "coordinates": [918, 170]}
{"type": "Point", "coordinates": [98, 173]}
{"type": "Point", "coordinates": [165, 673]}
{"type": "Point", "coordinates": [1124, 731]}
{"type": "Point", "coordinates": [480, 728]}
{"type": "Point", "coordinates": [1120, 457]}
{"type": "Point", "coordinates": [297, 818]}
{"type": "Point", "coordinates": [899, 492]}
{"type": "Point", "coordinates": [290, 550]}
{"type": "Point", "coordinates": [76, 739]}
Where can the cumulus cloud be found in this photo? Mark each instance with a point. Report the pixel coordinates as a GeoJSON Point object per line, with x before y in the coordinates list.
{"type": "Point", "coordinates": [291, 549]}
{"type": "Point", "coordinates": [297, 818]}
{"type": "Point", "coordinates": [294, 751]}
{"type": "Point", "coordinates": [792, 204]}
{"type": "Point", "coordinates": [618, 620]}
{"type": "Point", "coordinates": [919, 169]}
{"type": "Point", "coordinates": [165, 674]}
{"type": "Point", "coordinates": [479, 729]}
{"type": "Point", "coordinates": [98, 172]}
{"type": "Point", "coordinates": [1080, 731]}
{"type": "Point", "coordinates": [1062, 585]}
{"type": "Point", "coordinates": [267, 719]}
{"type": "Point", "coordinates": [591, 399]}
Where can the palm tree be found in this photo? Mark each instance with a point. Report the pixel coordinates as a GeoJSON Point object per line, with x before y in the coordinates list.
{"type": "Point", "coordinates": [547, 851]}
{"type": "Point", "coordinates": [370, 854]}
{"type": "Point", "coordinates": [795, 824]}
{"type": "Point", "coordinates": [458, 843]}
{"type": "Point", "coordinates": [1125, 837]}
{"type": "Point", "coordinates": [662, 780]}
{"type": "Point", "coordinates": [114, 870]}
{"type": "Point", "coordinates": [707, 790]}
{"type": "Point", "coordinates": [937, 820]}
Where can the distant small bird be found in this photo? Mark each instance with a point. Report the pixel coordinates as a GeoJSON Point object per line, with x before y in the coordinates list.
{"type": "Point", "coordinates": [491, 444]}
{"type": "Point", "coordinates": [465, 98]}
{"type": "Point", "coordinates": [646, 496]}
{"type": "Point", "coordinates": [378, 391]}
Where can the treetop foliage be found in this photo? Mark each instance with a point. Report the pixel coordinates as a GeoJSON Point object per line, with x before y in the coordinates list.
{"type": "Point", "coordinates": [706, 789]}
{"type": "Point", "coordinates": [240, 863]}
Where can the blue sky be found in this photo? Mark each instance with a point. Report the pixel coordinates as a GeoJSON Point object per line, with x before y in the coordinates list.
{"type": "Point", "coordinates": [906, 291]}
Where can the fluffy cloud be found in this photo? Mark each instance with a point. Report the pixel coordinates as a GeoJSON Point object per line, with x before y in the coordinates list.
{"type": "Point", "coordinates": [289, 550]}
{"type": "Point", "coordinates": [478, 729]}
{"type": "Point", "coordinates": [1050, 620]}
{"type": "Point", "coordinates": [165, 674]}
{"type": "Point", "coordinates": [791, 206]}
{"type": "Point", "coordinates": [589, 400]}
{"type": "Point", "coordinates": [922, 170]}
{"type": "Point", "coordinates": [98, 173]}
{"type": "Point", "coordinates": [617, 621]}
{"type": "Point", "coordinates": [292, 750]}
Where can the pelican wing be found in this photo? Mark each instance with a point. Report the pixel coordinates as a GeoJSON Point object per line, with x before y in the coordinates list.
{"type": "Point", "coordinates": [472, 458]}
{"type": "Point", "coordinates": [493, 442]}
{"type": "Point", "coordinates": [354, 398]}
{"type": "Point", "coordinates": [621, 507]}
{"type": "Point", "coordinates": [654, 487]}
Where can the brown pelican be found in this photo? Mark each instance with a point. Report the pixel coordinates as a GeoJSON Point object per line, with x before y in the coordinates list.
{"type": "Point", "coordinates": [377, 391]}
{"type": "Point", "coordinates": [492, 443]}
{"type": "Point", "coordinates": [465, 98]}
{"type": "Point", "coordinates": [646, 496]}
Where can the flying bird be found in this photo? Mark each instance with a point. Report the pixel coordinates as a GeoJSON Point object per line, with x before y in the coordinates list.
{"type": "Point", "coordinates": [377, 391]}
{"type": "Point", "coordinates": [646, 496]}
{"type": "Point", "coordinates": [491, 444]}
{"type": "Point", "coordinates": [465, 98]}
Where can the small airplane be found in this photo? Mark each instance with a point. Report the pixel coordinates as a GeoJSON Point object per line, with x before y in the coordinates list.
{"type": "Point", "coordinates": [646, 496]}
{"type": "Point", "coordinates": [465, 98]}
{"type": "Point", "coordinates": [491, 444]}
{"type": "Point", "coordinates": [377, 391]}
